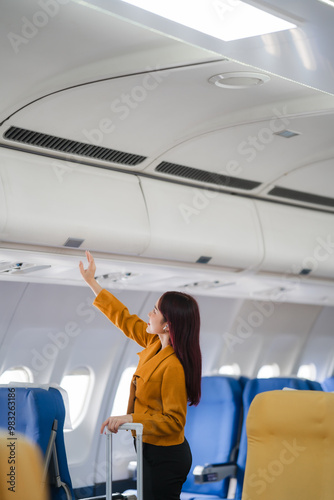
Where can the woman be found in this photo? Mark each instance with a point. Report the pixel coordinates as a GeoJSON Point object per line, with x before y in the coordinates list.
{"type": "Point", "coordinates": [167, 377]}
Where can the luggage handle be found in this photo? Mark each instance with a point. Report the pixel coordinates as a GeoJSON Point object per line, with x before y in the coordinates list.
{"type": "Point", "coordinates": [139, 445]}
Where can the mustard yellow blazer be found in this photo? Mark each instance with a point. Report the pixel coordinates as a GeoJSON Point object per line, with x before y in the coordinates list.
{"type": "Point", "coordinates": [158, 395]}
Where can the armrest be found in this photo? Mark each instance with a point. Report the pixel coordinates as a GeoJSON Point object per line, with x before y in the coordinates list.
{"type": "Point", "coordinates": [214, 472]}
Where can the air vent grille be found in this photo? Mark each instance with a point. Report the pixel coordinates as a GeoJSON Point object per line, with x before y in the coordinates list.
{"type": "Point", "coordinates": [58, 144]}
{"type": "Point", "coordinates": [73, 242]}
{"type": "Point", "coordinates": [204, 176]}
{"type": "Point", "coordinates": [294, 195]}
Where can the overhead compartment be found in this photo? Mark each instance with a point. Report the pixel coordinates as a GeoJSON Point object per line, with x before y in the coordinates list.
{"type": "Point", "coordinates": [57, 203]}
{"type": "Point", "coordinates": [197, 225]}
{"type": "Point", "coordinates": [297, 240]}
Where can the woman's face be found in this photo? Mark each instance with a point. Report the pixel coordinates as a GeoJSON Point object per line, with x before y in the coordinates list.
{"type": "Point", "coordinates": [156, 321]}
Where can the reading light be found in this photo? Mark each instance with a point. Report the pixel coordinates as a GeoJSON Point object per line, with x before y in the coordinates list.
{"type": "Point", "coordinates": [224, 19]}
{"type": "Point", "coordinates": [287, 134]}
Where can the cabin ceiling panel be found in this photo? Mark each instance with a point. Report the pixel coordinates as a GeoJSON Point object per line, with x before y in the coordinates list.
{"type": "Point", "coordinates": [254, 152]}
{"type": "Point", "coordinates": [316, 178]}
{"type": "Point", "coordinates": [151, 113]}
{"type": "Point", "coordinates": [302, 54]}
{"type": "Point", "coordinates": [62, 44]}
{"type": "Point", "coordinates": [145, 113]}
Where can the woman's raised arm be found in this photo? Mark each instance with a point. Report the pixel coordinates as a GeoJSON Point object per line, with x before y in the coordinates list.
{"type": "Point", "coordinates": [89, 273]}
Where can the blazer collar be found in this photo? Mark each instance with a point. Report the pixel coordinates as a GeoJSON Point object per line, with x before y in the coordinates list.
{"type": "Point", "coordinates": [150, 359]}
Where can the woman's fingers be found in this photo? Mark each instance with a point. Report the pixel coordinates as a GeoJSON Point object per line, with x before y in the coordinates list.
{"type": "Point", "coordinates": [91, 262]}
{"type": "Point", "coordinates": [105, 423]}
{"type": "Point", "coordinates": [113, 423]}
{"type": "Point", "coordinates": [91, 268]}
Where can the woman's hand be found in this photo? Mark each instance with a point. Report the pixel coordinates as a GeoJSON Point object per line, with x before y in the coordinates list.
{"type": "Point", "coordinates": [112, 423]}
{"type": "Point", "coordinates": [89, 273]}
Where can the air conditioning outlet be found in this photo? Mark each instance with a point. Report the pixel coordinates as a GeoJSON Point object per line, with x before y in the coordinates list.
{"type": "Point", "coordinates": [206, 285]}
{"type": "Point", "coordinates": [214, 178]}
{"type": "Point", "coordinates": [293, 194]}
{"type": "Point", "coordinates": [20, 267]}
{"type": "Point", "coordinates": [116, 277]}
{"type": "Point", "coordinates": [75, 148]}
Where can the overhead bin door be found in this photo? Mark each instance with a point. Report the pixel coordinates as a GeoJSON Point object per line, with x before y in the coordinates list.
{"type": "Point", "coordinates": [197, 225]}
{"type": "Point", "coordinates": [297, 240]}
{"type": "Point", "coordinates": [47, 201]}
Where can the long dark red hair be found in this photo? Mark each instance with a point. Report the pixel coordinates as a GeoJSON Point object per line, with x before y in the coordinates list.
{"type": "Point", "coordinates": [182, 315]}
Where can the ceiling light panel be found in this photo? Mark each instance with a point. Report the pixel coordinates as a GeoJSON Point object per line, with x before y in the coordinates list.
{"type": "Point", "coordinates": [223, 19]}
{"type": "Point", "coordinates": [328, 2]}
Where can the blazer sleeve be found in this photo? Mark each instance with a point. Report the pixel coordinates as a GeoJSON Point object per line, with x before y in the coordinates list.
{"type": "Point", "coordinates": [130, 324]}
{"type": "Point", "coordinates": [171, 419]}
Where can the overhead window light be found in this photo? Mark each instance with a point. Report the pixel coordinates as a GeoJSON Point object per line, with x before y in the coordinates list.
{"type": "Point", "coordinates": [268, 371]}
{"type": "Point", "coordinates": [224, 19]}
{"type": "Point", "coordinates": [233, 369]}
{"type": "Point", "coordinates": [16, 374]}
{"type": "Point", "coordinates": [307, 371]}
{"type": "Point", "coordinates": [78, 385]}
{"type": "Point", "coordinates": [121, 398]}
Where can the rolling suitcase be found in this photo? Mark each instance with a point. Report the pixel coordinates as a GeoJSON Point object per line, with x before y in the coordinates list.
{"type": "Point", "coordinates": [139, 445]}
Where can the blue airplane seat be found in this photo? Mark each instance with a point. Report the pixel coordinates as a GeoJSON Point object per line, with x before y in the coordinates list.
{"type": "Point", "coordinates": [40, 416]}
{"type": "Point", "coordinates": [314, 385]}
{"type": "Point", "coordinates": [328, 384]}
{"type": "Point", "coordinates": [212, 430]}
{"type": "Point", "coordinates": [251, 389]}
{"type": "Point", "coordinates": [243, 381]}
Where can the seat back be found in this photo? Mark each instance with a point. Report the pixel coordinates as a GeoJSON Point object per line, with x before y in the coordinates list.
{"type": "Point", "coordinates": [290, 446]}
{"type": "Point", "coordinates": [21, 469]}
{"type": "Point", "coordinates": [212, 430]}
{"type": "Point", "coordinates": [36, 409]}
{"type": "Point", "coordinates": [328, 384]}
{"type": "Point", "coordinates": [251, 389]}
